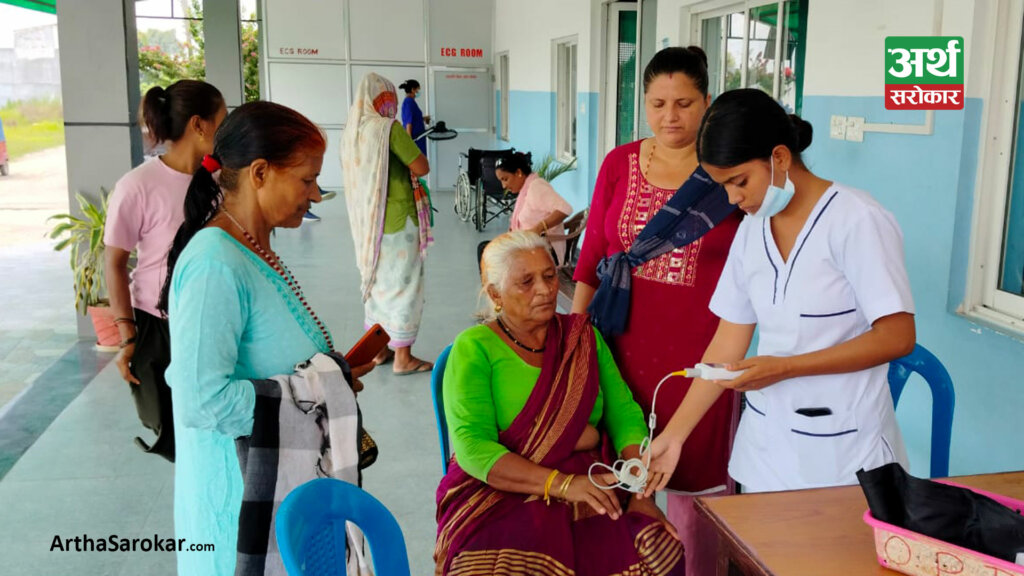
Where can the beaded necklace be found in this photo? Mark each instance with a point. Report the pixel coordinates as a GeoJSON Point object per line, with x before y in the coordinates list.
{"type": "Point", "coordinates": [513, 338]}
{"type": "Point", "coordinates": [285, 274]}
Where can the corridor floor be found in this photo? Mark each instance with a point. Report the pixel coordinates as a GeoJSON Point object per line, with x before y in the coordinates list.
{"type": "Point", "coordinates": [84, 476]}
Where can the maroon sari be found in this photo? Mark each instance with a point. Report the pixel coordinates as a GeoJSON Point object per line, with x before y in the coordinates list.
{"type": "Point", "coordinates": [486, 531]}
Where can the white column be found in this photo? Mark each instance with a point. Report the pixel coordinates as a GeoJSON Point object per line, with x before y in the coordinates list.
{"type": "Point", "coordinates": [223, 47]}
{"type": "Point", "coordinates": [100, 83]}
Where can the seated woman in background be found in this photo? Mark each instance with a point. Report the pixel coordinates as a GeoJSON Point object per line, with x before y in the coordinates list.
{"type": "Point", "coordinates": [538, 207]}
{"type": "Point", "coordinates": [530, 397]}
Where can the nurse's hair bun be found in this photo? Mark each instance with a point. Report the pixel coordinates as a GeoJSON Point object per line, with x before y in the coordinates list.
{"type": "Point", "coordinates": [747, 124]}
{"type": "Point", "coordinates": [803, 132]}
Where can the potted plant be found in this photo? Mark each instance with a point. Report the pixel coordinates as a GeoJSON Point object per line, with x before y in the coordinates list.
{"type": "Point", "coordinates": [84, 235]}
{"type": "Point", "coordinates": [550, 168]}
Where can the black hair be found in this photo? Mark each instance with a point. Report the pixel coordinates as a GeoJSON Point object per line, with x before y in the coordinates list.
{"type": "Point", "coordinates": [255, 130]}
{"type": "Point", "coordinates": [409, 86]}
{"type": "Point", "coordinates": [167, 111]}
{"type": "Point", "coordinates": [747, 124]}
{"type": "Point", "coordinates": [515, 162]}
{"type": "Point", "coordinates": [691, 61]}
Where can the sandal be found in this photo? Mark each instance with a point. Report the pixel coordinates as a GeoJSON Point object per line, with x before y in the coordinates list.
{"type": "Point", "coordinates": [387, 358]}
{"type": "Point", "coordinates": [423, 366]}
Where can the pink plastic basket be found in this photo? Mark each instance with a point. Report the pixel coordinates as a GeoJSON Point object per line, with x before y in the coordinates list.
{"type": "Point", "coordinates": [919, 555]}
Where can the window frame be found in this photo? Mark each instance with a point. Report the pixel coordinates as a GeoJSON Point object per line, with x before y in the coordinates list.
{"type": "Point", "coordinates": [983, 301]}
{"type": "Point", "coordinates": [703, 11]}
{"type": "Point", "coordinates": [565, 68]}
{"type": "Point", "coordinates": [504, 83]}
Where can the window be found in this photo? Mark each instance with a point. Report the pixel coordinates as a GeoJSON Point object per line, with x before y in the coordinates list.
{"type": "Point", "coordinates": [503, 88]}
{"type": "Point", "coordinates": [995, 287]}
{"type": "Point", "coordinates": [171, 43]}
{"type": "Point", "coordinates": [250, 29]}
{"type": "Point", "coordinates": [747, 47]}
{"type": "Point", "coordinates": [170, 36]}
{"type": "Point", "coordinates": [565, 96]}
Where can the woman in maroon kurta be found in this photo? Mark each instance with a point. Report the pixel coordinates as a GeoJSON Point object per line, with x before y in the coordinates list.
{"type": "Point", "coordinates": [669, 324]}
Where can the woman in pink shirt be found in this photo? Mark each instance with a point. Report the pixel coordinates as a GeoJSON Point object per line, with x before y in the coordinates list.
{"type": "Point", "coordinates": [145, 211]}
{"type": "Point", "coordinates": [538, 207]}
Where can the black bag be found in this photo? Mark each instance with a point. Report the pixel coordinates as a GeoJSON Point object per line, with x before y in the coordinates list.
{"type": "Point", "coordinates": [152, 395]}
{"type": "Point", "coordinates": [948, 513]}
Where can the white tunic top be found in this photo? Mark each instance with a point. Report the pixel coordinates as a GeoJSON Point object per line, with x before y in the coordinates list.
{"type": "Point", "coordinates": [845, 271]}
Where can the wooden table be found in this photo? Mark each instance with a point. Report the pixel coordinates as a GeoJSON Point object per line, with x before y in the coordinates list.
{"type": "Point", "coordinates": [810, 532]}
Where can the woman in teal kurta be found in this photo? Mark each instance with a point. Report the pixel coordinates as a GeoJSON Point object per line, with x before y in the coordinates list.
{"type": "Point", "coordinates": [232, 319]}
{"type": "Point", "coordinates": [235, 312]}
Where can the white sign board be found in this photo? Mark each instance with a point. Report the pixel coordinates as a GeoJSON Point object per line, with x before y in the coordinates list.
{"type": "Point", "coordinates": [320, 91]}
{"type": "Point", "coordinates": [460, 32]}
{"type": "Point", "coordinates": [387, 30]}
{"type": "Point", "coordinates": [305, 29]}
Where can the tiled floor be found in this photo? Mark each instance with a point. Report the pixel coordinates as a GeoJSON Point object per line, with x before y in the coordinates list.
{"type": "Point", "coordinates": [37, 325]}
{"type": "Point", "coordinates": [85, 476]}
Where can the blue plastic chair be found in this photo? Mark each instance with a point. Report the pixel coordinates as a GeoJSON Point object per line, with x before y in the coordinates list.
{"type": "Point", "coordinates": [943, 398]}
{"type": "Point", "coordinates": [311, 530]}
{"type": "Point", "coordinates": [436, 382]}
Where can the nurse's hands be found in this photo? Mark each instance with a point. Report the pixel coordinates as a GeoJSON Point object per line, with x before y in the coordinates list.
{"type": "Point", "coordinates": [758, 372]}
{"type": "Point", "coordinates": [664, 458]}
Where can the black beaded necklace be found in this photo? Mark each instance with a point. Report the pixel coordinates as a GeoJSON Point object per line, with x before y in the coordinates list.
{"type": "Point", "coordinates": [513, 338]}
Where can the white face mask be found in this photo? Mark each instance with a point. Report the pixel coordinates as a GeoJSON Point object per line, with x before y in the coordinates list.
{"type": "Point", "coordinates": [775, 199]}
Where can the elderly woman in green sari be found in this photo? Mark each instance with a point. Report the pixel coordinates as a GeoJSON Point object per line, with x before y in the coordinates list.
{"type": "Point", "coordinates": [390, 218]}
{"type": "Point", "coordinates": [533, 400]}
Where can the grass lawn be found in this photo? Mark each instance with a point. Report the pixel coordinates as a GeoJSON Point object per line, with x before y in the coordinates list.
{"type": "Point", "coordinates": [32, 125]}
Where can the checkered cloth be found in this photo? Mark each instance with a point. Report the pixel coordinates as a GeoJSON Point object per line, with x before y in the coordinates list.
{"type": "Point", "coordinates": [304, 427]}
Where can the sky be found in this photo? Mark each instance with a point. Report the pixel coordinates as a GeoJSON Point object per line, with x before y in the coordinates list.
{"type": "Point", "coordinates": [13, 18]}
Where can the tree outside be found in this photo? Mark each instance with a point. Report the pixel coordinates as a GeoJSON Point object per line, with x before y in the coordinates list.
{"type": "Point", "coordinates": [163, 59]}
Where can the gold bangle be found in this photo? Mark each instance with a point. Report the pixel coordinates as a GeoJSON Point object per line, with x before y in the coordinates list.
{"type": "Point", "coordinates": [547, 486]}
{"type": "Point", "coordinates": [565, 486]}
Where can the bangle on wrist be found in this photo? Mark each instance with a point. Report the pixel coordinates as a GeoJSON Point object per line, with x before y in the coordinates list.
{"type": "Point", "coordinates": [547, 486]}
{"type": "Point", "coordinates": [126, 342]}
{"type": "Point", "coordinates": [565, 486]}
{"type": "Point", "coordinates": [126, 320]}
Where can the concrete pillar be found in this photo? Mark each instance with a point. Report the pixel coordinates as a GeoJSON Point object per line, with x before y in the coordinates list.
{"type": "Point", "coordinates": [223, 46]}
{"type": "Point", "coordinates": [100, 84]}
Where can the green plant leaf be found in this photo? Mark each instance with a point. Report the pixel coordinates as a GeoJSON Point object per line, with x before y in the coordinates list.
{"type": "Point", "coordinates": [84, 236]}
{"type": "Point", "coordinates": [60, 229]}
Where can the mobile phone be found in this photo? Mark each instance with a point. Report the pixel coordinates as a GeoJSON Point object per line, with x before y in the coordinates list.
{"type": "Point", "coordinates": [367, 348]}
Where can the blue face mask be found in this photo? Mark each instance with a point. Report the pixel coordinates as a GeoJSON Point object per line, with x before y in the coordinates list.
{"type": "Point", "coordinates": [775, 199]}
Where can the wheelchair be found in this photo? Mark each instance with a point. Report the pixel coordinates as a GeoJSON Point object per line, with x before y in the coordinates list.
{"type": "Point", "coordinates": [479, 195]}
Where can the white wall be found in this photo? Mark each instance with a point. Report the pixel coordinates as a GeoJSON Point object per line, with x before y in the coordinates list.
{"type": "Point", "coordinates": [526, 29]}
{"type": "Point", "coordinates": [839, 61]}
{"type": "Point", "coordinates": [317, 51]}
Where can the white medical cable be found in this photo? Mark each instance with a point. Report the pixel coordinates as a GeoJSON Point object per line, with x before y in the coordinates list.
{"type": "Point", "coordinates": [623, 469]}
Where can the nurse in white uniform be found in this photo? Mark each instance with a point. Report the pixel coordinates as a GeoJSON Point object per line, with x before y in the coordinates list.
{"type": "Point", "coordinates": [818, 267]}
